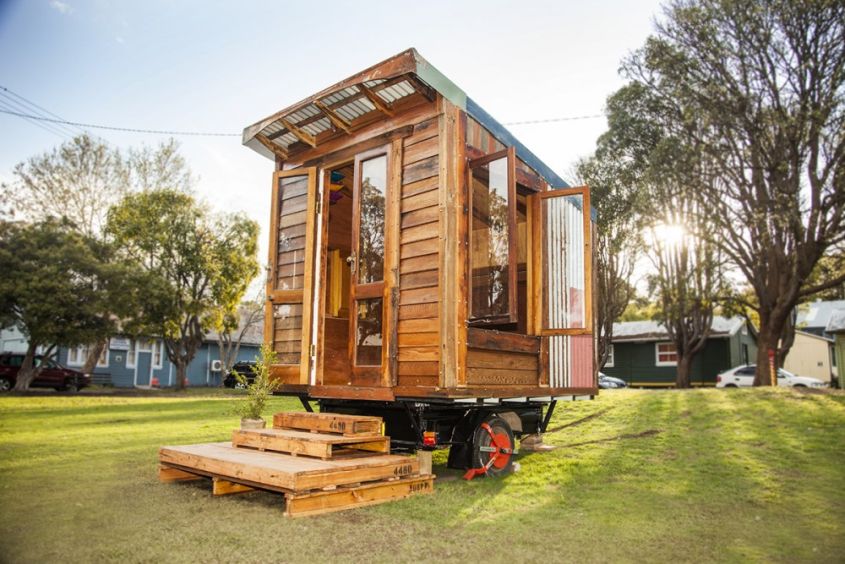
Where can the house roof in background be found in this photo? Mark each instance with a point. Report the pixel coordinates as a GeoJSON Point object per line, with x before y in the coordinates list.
{"type": "Point", "coordinates": [656, 331]}
{"type": "Point", "coordinates": [836, 323]}
{"type": "Point", "coordinates": [816, 315]}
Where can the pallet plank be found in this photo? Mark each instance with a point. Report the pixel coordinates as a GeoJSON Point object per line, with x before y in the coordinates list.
{"type": "Point", "coordinates": [301, 505]}
{"type": "Point", "coordinates": [321, 445]}
{"type": "Point", "coordinates": [328, 423]}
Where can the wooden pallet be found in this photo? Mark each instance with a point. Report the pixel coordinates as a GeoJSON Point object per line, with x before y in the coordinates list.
{"type": "Point", "coordinates": [283, 471]}
{"type": "Point", "coordinates": [320, 445]}
{"type": "Point", "coordinates": [315, 503]}
{"type": "Point", "coordinates": [328, 423]}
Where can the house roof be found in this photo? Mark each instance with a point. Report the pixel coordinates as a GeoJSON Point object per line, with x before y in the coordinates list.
{"type": "Point", "coordinates": [365, 98]}
{"type": "Point", "coordinates": [836, 323]}
{"type": "Point", "coordinates": [812, 336]}
{"type": "Point", "coordinates": [817, 315]}
{"type": "Point", "coordinates": [656, 331]}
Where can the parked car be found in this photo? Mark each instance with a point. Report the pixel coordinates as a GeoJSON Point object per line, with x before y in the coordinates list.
{"type": "Point", "coordinates": [52, 374]}
{"type": "Point", "coordinates": [743, 376]}
{"type": "Point", "coordinates": [609, 382]}
{"type": "Point", "coordinates": [245, 368]}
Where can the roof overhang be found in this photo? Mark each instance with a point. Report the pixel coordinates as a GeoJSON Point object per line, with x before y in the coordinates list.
{"type": "Point", "coordinates": [366, 97]}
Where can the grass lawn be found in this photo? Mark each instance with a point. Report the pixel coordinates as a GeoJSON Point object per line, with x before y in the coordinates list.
{"type": "Point", "coordinates": [732, 475]}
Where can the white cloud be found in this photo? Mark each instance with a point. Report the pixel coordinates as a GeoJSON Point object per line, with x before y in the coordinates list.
{"type": "Point", "coordinates": [62, 7]}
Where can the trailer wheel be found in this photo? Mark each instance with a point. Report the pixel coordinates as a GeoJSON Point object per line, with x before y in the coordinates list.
{"type": "Point", "coordinates": [493, 446]}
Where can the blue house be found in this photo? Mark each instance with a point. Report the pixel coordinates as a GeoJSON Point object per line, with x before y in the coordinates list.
{"type": "Point", "coordinates": [141, 362]}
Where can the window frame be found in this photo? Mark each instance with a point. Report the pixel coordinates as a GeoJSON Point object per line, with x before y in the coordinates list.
{"type": "Point", "coordinates": [80, 354]}
{"type": "Point", "coordinates": [657, 361]}
{"type": "Point", "coordinates": [611, 357]}
{"type": "Point", "coordinates": [512, 314]}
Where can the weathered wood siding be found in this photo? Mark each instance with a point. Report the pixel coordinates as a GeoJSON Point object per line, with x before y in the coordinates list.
{"type": "Point", "coordinates": [502, 368]}
{"type": "Point", "coordinates": [418, 334]}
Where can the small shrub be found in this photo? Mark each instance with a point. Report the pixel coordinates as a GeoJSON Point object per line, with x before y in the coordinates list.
{"type": "Point", "coordinates": [262, 386]}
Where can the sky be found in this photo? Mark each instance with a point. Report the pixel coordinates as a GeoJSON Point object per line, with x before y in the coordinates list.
{"type": "Point", "coordinates": [214, 66]}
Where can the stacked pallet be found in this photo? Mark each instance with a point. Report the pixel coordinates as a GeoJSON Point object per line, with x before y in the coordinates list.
{"type": "Point", "coordinates": [321, 462]}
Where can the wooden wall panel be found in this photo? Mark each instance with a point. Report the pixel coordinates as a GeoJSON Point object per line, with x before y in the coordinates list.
{"type": "Point", "coordinates": [418, 325]}
{"type": "Point", "coordinates": [498, 368]}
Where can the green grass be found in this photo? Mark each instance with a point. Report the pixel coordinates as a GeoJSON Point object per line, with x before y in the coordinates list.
{"type": "Point", "coordinates": [732, 476]}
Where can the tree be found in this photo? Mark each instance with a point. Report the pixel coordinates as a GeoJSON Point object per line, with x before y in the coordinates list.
{"type": "Point", "coordinates": [54, 287]}
{"type": "Point", "coordinates": [199, 265]}
{"type": "Point", "coordinates": [233, 325]}
{"type": "Point", "coordinates": [758, 87]}
{"type": "Point", "coordinates": [76, 182]}
{"type": "Point", "coordinates": [613, 176]}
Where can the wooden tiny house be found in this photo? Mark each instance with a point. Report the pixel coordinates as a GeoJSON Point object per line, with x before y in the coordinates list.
{"type": "Point", "coordinates": [418, 250]}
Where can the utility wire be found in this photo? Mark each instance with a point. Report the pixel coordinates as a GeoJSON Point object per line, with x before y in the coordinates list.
{"type": "Point", "coordinates": [551, 120]}
{"type": "Point", "coordinates": [57, 121]}
{"type": "Point", "coordinates": [30, 106]}
{"type": "Point", "coordinates": [127, 129]}
{"type": "Point", "coordinates": [5, 108]}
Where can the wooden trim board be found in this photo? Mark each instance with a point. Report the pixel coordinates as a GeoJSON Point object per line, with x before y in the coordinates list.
{"type": "Point", "coordinates": [320, 445]}
{"type": "Point", "coordinates": [328, 423]}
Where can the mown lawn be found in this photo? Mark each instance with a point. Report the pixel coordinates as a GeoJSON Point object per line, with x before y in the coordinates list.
{"type": "Point", "coordinates": [724, 475]}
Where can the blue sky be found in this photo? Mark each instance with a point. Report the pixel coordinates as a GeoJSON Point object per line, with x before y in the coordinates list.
{"type": "Point", "coordinates": [219, 66]}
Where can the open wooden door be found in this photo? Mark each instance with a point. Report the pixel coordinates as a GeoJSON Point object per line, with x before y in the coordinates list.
{"type": "Point", "coordinates": [563, 308]}
{"type": "Point", "coordinates": [290, 281]}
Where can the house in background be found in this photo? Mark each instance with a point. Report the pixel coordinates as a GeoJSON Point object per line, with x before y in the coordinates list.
{"type": "Point", "coordinates": [139, 362]}
{"type": "Point", "coordinates": [807, 356]}
{"type": "Point", "coordinates": [836, 328]}
{"type": "Point", "coordinates": [642, 354]}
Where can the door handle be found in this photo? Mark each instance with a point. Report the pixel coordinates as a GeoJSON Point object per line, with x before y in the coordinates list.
{"type": "Point", "coordinates": [351, 261]}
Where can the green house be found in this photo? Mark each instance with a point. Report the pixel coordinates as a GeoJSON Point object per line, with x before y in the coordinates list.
{"type": "Point", "coordinates": [642, 354]}
{"type": "Point", "coordinates": [836, 327]}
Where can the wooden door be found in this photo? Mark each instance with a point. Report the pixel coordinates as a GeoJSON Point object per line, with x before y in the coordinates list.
{"type": "Point", "coordinates": [563, 308]}
{"type": "Point", "coordinates": [368, 308]}
{"type": "Point", "coordinates": [287, 326]}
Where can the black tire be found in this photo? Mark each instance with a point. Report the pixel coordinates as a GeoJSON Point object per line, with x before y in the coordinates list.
{"type": "Point", "coordinates": [70, 386]}
{"type": "Point", "coordinates": [799, 386]}
{"type": "Point", "coordinates": [482, 440]}
{"type": "Point", "coordinates": [5, 385]}
{"type": "Point", "coordinates": [731, 385]}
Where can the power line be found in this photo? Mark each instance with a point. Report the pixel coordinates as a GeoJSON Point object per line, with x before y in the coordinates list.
{"type": "Point", "coordinates": [30, 106]}
{"type": "Point", "coordinates": [126, 129]}
{"type": "Point", "coordinates": [4, 108]}
{"type": "Point", "coordinates": [551, 120]}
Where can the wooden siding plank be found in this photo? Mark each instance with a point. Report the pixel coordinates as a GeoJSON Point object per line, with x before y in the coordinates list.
{"type": "Point", "coordinates": [422, 169]}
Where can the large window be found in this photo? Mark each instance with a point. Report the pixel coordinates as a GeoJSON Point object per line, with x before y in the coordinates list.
{"type": "Point", "coordinates": [493, 252]}
{"type": "Point", "coordinates": [77, 356]}
{"type": "Point", "coordinates": [666, 354]}
{"type": "Point", "coordinates": [611, 360]}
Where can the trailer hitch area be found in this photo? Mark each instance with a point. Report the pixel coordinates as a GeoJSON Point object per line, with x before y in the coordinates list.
{"type": "Point", "coordinates": [500, 451]}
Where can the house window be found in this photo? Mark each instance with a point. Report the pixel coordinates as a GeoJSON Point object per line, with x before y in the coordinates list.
{"type": "Point", "coordinates": [130, 355]}
{"type": "Point", "coordinates": [77, 356]}
{"type": "Point", "coordinates": [493, 253]}
{"type": "Point", "coordinates": [666, 353]}
{"type": "Point", "coordinates": [610, 357]}
{"type": "Point", "coordinates": [158, 353]}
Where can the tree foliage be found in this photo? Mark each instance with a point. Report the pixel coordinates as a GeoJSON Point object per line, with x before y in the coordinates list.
{"type": "Point", "coordinates": [757, 88]}
{"type": "Point", "coordinates": [55, 285]}
{"type": "Point", "coordinates": [76, 182]}
{"type": "Point", "coordinates": [199, 265]}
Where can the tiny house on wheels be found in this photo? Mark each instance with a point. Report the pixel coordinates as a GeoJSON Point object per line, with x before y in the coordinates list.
{"type": "Point", "coordinates": [425, 266]}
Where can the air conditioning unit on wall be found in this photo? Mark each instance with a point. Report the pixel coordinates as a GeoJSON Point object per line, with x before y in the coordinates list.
{"type": "Point", "coordinates": [216, 365]}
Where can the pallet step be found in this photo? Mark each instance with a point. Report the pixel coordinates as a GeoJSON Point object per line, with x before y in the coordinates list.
{"type": "Point", "coordinates": [319, 445]}
{"type": "Point", "coordinates": [328, 423]}
{"type": "Point", "coordinates": [284, 472]}
{"type": "Point", "coordinates": [316, 503]}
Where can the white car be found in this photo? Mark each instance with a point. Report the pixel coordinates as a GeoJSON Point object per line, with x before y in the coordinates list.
{"type": "Point", "coordinates": [743, 376]}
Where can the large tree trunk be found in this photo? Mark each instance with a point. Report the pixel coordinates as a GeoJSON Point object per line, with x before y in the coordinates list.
{"type": "Point", "coordinates": [765, 341]}
{"type": "Point", "coordinates": [682, 380]}
{"type": "Point", "coordinates": [181, 374]}
{"type": "Point", "coordinates": [94, 357]}
{"type": "Point", "coordinates": [28, 371]}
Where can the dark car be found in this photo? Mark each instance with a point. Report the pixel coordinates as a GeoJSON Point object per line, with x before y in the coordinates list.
{"type": "Point", "coordinates": [245, 368]}
{"type": "Point", "coordinates": [52, 374]}
{"type": "Point", "coordinates": [609, 382]}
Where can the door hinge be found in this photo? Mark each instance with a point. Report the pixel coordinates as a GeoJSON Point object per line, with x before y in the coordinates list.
{"type": "Point", "coordinates": [320, 204]}
{"type": "Point", "coordinates": [313, 350]}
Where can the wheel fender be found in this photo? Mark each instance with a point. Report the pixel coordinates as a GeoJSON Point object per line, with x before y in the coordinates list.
{"type": "Point", "coordinates": [513, 420]}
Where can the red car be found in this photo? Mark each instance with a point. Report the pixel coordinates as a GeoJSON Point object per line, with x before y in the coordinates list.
{"type": "Point", "coordinates": [52, 375]}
